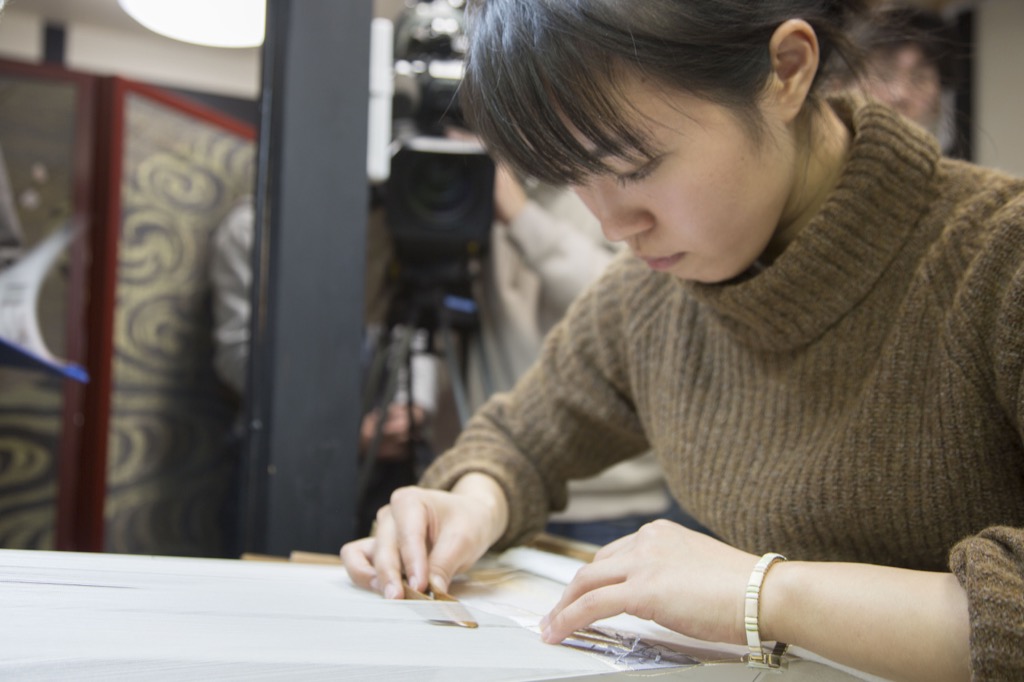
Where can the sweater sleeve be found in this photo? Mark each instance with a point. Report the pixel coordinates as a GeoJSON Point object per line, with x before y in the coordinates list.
{"type": "Point", "coordinates": [570, 416]}
{"type": "Point", "coordinates": [990, 564]}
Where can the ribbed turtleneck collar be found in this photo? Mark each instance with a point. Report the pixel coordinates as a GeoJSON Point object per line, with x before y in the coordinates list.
{"type": "Point", "coordinates": [835, 260]}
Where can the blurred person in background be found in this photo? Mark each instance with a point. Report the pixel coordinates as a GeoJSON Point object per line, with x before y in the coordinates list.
{"type": "Point", "coordinates": [910, 66]}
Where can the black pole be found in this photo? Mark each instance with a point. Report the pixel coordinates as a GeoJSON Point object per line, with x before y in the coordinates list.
{"type": "Point", "coordinates": [963, 147]}
{"type": "Point", "coordinates": [54, 44]}
{"type": "Point", "coordinates": [303, 404]}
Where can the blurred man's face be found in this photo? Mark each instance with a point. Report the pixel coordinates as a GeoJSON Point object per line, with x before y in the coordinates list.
{"type": "Point", "coordinates": [906, 81]}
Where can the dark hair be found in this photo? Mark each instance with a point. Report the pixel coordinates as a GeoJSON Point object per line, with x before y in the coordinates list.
{"type": "Point", "coordinates": [896, 26]}
{"type": "Point", "coordinates": [539, 70]}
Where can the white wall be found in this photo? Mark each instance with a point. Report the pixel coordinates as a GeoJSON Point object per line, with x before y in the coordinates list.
{"type": "Point", "coordinates": [145, 57]}
{"type": "Point", "coordinates": [135, 55]}
{"type": "Point", "coordinates": [162, 61]}
{"type": "Point", "coordinates": [21, 36]}
{"type": "Point", "coordinates": [999, 85]}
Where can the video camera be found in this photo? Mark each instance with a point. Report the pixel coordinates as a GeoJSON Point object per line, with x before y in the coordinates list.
{"type": "Point", "coordinates": [440, 194]}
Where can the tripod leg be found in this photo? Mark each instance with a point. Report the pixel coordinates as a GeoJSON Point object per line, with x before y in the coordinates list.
{"type": "Point", "coordinates": [455, 372]}
{"type": "Point", "coordinates": [396, 353]}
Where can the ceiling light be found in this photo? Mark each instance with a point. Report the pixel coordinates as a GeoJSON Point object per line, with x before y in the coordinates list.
{"type": "Point", "coordinates": [215, 23]}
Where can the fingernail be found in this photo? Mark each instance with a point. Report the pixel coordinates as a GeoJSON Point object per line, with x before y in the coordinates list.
{"type": "Point", "coordinates": [545, 634]}
{"type": "Point", "coordinates": [438, 583]}
{"type": "Point", "coordinates": [392, 591]}
{"type": "Point", "coordinates": [544, 622]}
{"type": "Point", "coordinates": [374, 584]}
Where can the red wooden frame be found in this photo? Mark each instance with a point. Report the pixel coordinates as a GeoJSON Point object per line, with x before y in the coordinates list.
{"type": "Point", "coordinates": [81, 517]}
{"type": "Point", "coordinates": [92, 287]}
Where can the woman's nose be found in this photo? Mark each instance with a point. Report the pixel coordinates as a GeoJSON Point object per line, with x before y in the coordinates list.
{"type": "Point", "coordinates": [626, 224]}
{"type": "Point", "coordinates": [621, 216]}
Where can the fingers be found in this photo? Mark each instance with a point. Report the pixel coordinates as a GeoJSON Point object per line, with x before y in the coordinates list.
{"type": "Point", "coordinates": [399, 548]}
{"type": "Point", "coordinates": [428, 536]}
{"type": "Point", "coordinates": [367, 429]}
{"type": "Point", "coordinates": [643, 575]}
{"type": "Point", "coordinates": [394, 431]}
{"type": "Point", "coordinates": [355, 556]}
{"type": "Point", "coordinates": [432, 557]}
{"type": "Point", "coordinates": [410, 519]}
{"type": "Point", "coordinates": [593, 605]}
{"type": "Point", "coordinates": [397, 420]}
{"type": "Point", "coordinates": [597, 591]}
{"type": "Point", "coordinates": [386, 559]}
{"type": "Point", "coordinates": [601, 571]}
{"type": "Point", "coordinates": [450, 556]}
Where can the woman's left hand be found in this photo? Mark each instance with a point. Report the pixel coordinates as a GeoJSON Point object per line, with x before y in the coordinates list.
{"type": "Point", "coordinates": [684, 580]}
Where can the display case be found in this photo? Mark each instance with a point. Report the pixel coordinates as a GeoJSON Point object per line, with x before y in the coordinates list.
{"type": "Point", "coordinates": [135, 459]}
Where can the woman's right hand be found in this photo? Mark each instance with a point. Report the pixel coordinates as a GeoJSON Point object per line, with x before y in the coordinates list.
{"type": "Point", "coordinates": [429, 536]}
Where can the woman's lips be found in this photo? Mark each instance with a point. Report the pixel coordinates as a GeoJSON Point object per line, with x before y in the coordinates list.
{"type": "Point", "coordinates": [663, 263]}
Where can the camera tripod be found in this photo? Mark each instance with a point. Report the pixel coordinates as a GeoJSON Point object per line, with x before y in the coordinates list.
{"type": "Point", "coordinates": [425, 310]}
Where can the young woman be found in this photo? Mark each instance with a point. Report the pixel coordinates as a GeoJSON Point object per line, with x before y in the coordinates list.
{"type": "Point", "coordinates": [819, 329]}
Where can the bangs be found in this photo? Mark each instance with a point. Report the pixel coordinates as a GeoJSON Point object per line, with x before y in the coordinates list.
{"type": "Point", "coordinates": [543, 98]}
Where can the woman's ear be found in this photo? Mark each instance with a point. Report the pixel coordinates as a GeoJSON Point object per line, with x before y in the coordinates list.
{"type": "Point", "coordinates": [794, 53]}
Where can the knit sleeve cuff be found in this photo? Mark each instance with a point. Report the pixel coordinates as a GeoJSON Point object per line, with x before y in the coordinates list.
{"type": "Point", "coordinates": [990, 567]}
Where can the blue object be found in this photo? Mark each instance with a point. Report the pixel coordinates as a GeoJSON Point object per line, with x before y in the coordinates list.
{"type": "Point", "coordinates": [14, 355]}
{"type": "Point", "coordinates": [460, 304]}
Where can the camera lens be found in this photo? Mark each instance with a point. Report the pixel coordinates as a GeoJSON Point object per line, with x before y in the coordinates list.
{"type": "Point", "coordinates": [441, 190]}
{"type": "Point", "coordinates": [440, 204]}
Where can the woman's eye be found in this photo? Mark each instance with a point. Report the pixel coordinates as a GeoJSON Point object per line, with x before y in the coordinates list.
{"type": "Point", "coordinates": [639, 174]}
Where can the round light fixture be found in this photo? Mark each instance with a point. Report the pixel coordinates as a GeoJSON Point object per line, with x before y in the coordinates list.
{"type": "Point", "coordinates": [215, 23]}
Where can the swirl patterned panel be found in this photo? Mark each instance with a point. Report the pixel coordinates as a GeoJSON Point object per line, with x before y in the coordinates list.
{"type": "Point", "coordinates": [169, 472]}
{"type": "Point", "coordinates": [29, 428]}
{"type": "Point", "coordinates": [37, 126]}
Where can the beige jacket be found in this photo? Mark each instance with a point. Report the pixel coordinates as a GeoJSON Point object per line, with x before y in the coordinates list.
{"type": "Point", "coordinates": [538, 265]}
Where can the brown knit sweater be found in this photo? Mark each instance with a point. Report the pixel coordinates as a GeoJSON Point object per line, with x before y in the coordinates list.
{"type": "Point", "coordinates": [861, 399]}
